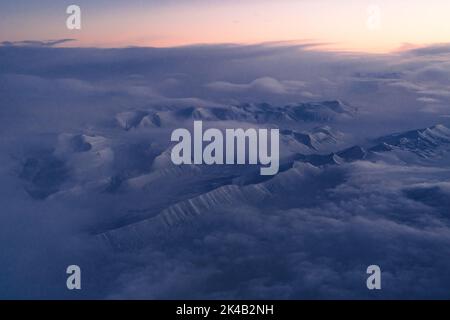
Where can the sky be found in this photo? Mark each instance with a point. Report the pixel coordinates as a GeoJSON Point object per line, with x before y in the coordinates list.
{"type": "Point", "coordinates": [368, 26]}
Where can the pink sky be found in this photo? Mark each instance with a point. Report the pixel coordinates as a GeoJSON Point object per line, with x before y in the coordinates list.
{"type": "Point", "coordinates": [343, 24]}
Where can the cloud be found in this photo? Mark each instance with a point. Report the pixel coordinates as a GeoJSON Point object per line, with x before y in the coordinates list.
{"type": "Point", "coordinates": [406, 85]}
{"type": "Point", "coordinates": [35, 43]}
{"type": "Point", "coordinates": [265, 84]}
{"type": "Point", "coordinates": [303, 249]}
{"type": "Point", "coordinates": [428, 100]}
{"type": "Point", "coordinates": [438, 73]}
{"type": "Point", "coordinates": [312, 235]}
{"type": "Point", "coordinates": [436, 49]}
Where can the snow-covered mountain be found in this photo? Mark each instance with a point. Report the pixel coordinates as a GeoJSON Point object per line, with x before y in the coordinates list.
{"type": "Point", "coordinates": [262, 113]}
{"type": "Point", "coordinates": [423, 142]}
{"type": "Point", "coordinates": [302, 178]}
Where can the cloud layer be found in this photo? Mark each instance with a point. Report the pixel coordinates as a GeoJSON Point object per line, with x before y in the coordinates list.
{"type": "Point", "coordinates": [74, 174]}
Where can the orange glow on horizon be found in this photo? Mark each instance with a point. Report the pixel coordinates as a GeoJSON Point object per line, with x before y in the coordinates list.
{"type": "Point", "coordinates": [339, 25]}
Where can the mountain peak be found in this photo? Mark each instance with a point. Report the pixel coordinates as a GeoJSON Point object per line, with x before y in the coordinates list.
{"type": "Point", "coordinates": [419, 141]}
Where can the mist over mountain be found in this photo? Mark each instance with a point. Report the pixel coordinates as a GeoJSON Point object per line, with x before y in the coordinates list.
{"type": "Point", "coordinates": [87, 179]}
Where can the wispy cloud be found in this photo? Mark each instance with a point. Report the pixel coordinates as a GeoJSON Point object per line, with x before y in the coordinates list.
{"type": "Point", "coordinates": [36, 43]}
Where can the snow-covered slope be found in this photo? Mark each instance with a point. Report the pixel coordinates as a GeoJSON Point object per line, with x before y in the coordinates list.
{"type": "Point", "coordinates": [320, 112]}
{"type": "Point", "coordinates": [423, 142]}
